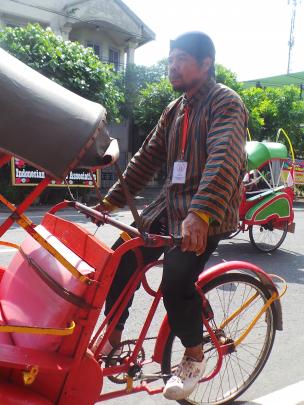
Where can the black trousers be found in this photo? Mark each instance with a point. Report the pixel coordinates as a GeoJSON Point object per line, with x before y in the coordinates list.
{"type": "Point", "coordinates": [180, 272]}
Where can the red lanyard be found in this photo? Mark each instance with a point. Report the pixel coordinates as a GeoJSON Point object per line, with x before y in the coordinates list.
{"type": "Point", "coordinates": [185, 130]}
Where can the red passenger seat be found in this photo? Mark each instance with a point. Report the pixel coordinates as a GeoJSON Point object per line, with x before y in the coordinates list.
{"type": "Point", "coordinates": [28, 300]}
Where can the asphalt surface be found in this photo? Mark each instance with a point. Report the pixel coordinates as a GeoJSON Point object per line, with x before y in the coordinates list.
{"type": "Point", "coordinates": [283, 374]}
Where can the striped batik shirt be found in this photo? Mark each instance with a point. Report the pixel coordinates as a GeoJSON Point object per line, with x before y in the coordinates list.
{"type": "Point", "coordinates": [215, 156]}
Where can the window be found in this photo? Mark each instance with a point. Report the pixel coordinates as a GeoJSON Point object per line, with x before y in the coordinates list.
{"type": "Point", "coordinates": [96, 48]}
{"type": "Point", "coordinates": [12, 25]}
{"type": "Point", "coordinates": [114, 57]}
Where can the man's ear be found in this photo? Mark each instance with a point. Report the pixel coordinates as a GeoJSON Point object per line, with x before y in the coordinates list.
{"type": "Point", "coordinates": [207, 63]}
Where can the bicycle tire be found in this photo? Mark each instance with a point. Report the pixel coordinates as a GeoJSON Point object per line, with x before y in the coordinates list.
{"type": "Point", "coordinates": [256, 347]}
{"type": "Point", "coordinates": [236, 232]}
{"type": "Point", "coordinates": [270, 238]}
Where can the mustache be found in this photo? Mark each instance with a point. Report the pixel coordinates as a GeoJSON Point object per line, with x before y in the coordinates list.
{"type": "Point", "coordinates": [174, 76]}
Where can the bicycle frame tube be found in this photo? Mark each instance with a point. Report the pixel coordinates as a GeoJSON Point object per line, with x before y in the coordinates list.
{"type": "Point", "coordinates": [250, 268]}
{"type": "Point", "coordinates": [120, 305]}
{"type": "Point", "coordinates": [4, 159]}
{"type": "Point", "coordinates": [139, 275]}
{"type": "Point", "coordinates": [143, 387]}
{"type": "Point", "coordinates": [118, 308]}
{"type": "Point", "coordinates": [274, 297]}
{"type": "Point", "coordinates": [206, 277]}
{"type": "Point", "coordinates": [238, 311]}
{"type": "Point", "coordinates": [17, 211]}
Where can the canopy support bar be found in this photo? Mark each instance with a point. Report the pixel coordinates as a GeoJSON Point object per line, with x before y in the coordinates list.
{"type": "Point", "coordinates": [23, 206]}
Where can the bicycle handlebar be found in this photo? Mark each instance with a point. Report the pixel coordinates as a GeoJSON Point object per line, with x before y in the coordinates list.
{"type": "Point", "coordinates": [104, 218]}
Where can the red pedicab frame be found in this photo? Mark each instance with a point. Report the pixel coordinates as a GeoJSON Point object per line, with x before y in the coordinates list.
{"type": "Point", "coordinates": [48, 360]}
{"type": "Point", "coordinates": [267, 211]}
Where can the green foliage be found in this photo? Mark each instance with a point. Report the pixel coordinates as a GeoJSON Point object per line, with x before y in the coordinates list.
{"type": "Point", "coordinates": [147, 91]}
{"type": "Point", "coordinates": [142, 75]}
{"type": "Point", "coordinates": [152, 101]}
{"type": "Point", "coordinates": [274, 108]}
{"type": "Point", "coordinates": [225, 76]}
{"type": "Point", "coordinates": [155, 91]}
{"type": "Point", "coordinates": [68, 63]}
{"type": "Point", "coordinates": [137, 77]}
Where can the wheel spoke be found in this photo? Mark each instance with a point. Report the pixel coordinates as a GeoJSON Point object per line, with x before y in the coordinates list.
{"type": "Point", "coordinates": [267, 238]}
{"type": "Point", "coordinates": [240, 368]}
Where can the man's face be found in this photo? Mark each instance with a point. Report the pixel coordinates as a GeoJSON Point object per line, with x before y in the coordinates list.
{"type": "Point", "coordinates": [185, 73]}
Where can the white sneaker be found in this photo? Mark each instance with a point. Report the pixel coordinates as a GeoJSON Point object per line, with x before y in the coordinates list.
{"type": "Point", "coordinates": [183, 382]}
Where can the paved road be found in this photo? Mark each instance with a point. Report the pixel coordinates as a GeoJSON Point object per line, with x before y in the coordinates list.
{"type": "Point", "coordinates": [283, 375]}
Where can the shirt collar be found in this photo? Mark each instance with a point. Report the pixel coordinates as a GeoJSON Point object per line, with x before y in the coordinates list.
{"type": "Point", "coordinates": [200, 94]}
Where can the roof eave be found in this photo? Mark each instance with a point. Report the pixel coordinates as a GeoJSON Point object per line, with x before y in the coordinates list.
{"type": "Point", "coordinates": [150, 35]}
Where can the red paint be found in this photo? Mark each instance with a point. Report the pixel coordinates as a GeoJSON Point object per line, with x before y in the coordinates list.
{"type": "Point", "coordinates": [68, 372]}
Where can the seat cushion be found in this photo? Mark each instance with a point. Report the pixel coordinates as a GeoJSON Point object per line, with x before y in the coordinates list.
{"type": "Point", "coordinates": [27, 300]}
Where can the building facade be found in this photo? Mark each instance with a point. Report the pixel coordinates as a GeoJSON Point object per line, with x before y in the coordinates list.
{"type": "Point", "coordinates": [108, 26]}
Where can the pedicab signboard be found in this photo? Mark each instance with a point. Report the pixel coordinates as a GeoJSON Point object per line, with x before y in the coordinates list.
{"type": "Point", "coordinates": [298, 170]}
{"type": "Point", "coordinates": [26, 175]}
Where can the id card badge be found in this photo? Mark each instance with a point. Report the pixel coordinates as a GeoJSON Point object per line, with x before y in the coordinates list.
{"type": "Point", "coordinates": [179, 172]}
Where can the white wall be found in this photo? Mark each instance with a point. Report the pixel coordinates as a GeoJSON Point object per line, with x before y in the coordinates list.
{"type": "Point", "coordinates": [83, 35]}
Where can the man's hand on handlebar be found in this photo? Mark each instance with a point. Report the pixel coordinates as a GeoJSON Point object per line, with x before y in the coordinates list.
{"type": "Point", "coordinates": [194, 234]}
{"type": "Point", "coordinates": [104, 206]}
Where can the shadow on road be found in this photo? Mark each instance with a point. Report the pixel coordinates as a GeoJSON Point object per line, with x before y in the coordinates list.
{"type": "Point", "coordinates": [285, 263]}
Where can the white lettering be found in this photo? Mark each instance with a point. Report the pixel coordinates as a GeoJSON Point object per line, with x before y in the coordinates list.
{"type": "Point", "coordinates": [30, 174]}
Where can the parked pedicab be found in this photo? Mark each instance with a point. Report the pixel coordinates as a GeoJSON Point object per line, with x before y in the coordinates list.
{"type": "Point", "coordinates": [53, 290]}
{"type": "Point", "coordinates": [266, 210]}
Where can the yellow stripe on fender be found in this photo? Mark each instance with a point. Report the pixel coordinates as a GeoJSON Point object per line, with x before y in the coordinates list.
{"type": "Point", "coordinates": [35, 330]}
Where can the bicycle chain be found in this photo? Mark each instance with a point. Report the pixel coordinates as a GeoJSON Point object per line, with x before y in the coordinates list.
{"type": "Point", "coordinates": [113, 359]}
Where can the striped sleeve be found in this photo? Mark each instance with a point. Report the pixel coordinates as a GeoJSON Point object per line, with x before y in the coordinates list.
{"type": "Point", "coordinates": [144, 164]}
{"type": "Point", "coordinates": [225, 156]}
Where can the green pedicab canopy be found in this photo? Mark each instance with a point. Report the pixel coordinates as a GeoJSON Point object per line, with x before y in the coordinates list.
{"type": "Point", "coordinates": [259, 153]}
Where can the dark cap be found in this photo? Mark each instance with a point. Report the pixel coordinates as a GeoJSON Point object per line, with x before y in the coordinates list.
{"type": "Point", "coordinates": [196, 43]}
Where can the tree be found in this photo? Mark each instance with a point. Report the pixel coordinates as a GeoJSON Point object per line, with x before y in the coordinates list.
{"type": "Point", "coordinates": [68, 63]}
{"type": "Point", "coordinates": [252, 98]}
{"type": "Point", "coordinates": [152, 101]}
{"type": "Point", "coordinates": [274, 108]}
{"type": "Point", "coordinates": [155, 96]}
{"type": "Point", "coordinates": [228, 78]}
{"type": "Point", "coordinates": [137, 77]}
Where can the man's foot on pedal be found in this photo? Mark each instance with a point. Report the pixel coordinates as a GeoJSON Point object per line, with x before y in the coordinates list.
{"type": "Point", "coordinates": [107, 348]}
{"type": "Point", "coordinates": [183, 382]}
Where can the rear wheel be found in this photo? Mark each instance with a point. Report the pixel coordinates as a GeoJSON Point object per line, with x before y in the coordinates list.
{"type": "Point", "coordinates": [267, 238]}
{"type": "Point", "coordinates": [226, 294]}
